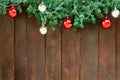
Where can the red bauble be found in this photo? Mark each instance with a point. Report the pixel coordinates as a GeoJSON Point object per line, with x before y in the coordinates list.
{"type": "Point", "coordinates": [106, 23]}
{"type": "Point", "coordinates": [12, 12]}
{"type": "Point", "coordinates": [68, 23]}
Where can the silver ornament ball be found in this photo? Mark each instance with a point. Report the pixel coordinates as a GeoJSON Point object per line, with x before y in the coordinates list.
{"type": "Point", "coordinates": [43, 30]}
{"type": "Point", "coordinates": [115, 13]}
{"type": "Point", "coordinates": [42, 7]}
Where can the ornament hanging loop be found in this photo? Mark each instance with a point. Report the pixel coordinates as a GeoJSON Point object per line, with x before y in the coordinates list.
{"type": "Point", "coordinates": [43, 25]}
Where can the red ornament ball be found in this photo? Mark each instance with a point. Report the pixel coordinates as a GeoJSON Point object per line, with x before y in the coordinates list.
{"type": "Point", "coordinates": [12, 12]}
{"type": "Point", "coordinates": [106, 23]}
{"type": "Point", "coordinates": [68, 23]}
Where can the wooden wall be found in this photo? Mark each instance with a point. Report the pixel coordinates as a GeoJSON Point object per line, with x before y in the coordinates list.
{"type": "Point", "coordinates": [91, 53]}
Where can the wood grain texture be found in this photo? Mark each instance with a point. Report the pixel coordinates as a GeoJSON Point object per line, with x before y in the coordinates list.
{"type": "Point", "coordinates": [92, 53]}
{"type": "Point", "coordinates": [70, 54]}
{"type": "Point", "coordinates": [21, 47]}
{"type": "Point", "coordinates": [8, 49]}
{"type": "Point", "coordinates": [107, 53]}
{"type": "Point", "coordinates": [53, 54]}
{"type": "Point", "coordinates": [118, 49]}
{"type": "Point", "coordinates": [36, 51]}
{"type": "Point", "coordinates": [1, 44]}
{"type": "Point", "coordinates": [89, 53]}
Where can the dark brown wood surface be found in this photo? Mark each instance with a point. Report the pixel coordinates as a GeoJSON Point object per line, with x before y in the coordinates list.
{"type": "Point", "coordinates": [1, 43]}
{"type": "Point", "coordinates": [7, 48]}
{"type": "Point", "coordinates": [36, 51]}
{"type": "Point", "coordinates": [70, 55]}
{"type": "Point", "coordinates": [107, 53]}
{"type": "Point", "coordinates": [92, 53]}
{"type": "Point", "coordinates": [53, 54]}
{"type": "Point", "coordinates": [89, 52]}
{"type": "Point", "coordinates": [21, 47]}
{"type": "Point", "coordinates": [118, 49]}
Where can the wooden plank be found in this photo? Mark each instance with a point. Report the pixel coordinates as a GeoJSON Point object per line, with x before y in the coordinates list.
{"type": "Point", "coordinates": [107, 53]}
{"type": "Point", "coordinates": [1, 46]}
{"type": "Point", "coordinates": [89, 52]}
{"type": "Point", "coordinates": [70, 55]}
{"type": "Point", "coordinates": [118, 50]}
{"type": "Point", "coordinates": [36, 51]}
{"type": "Point", "coordinates": [53, 55]}
{"type": "Point", "coordinates": [21, 47]}
{"type": "Point", "coordinates": [8, 49]}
